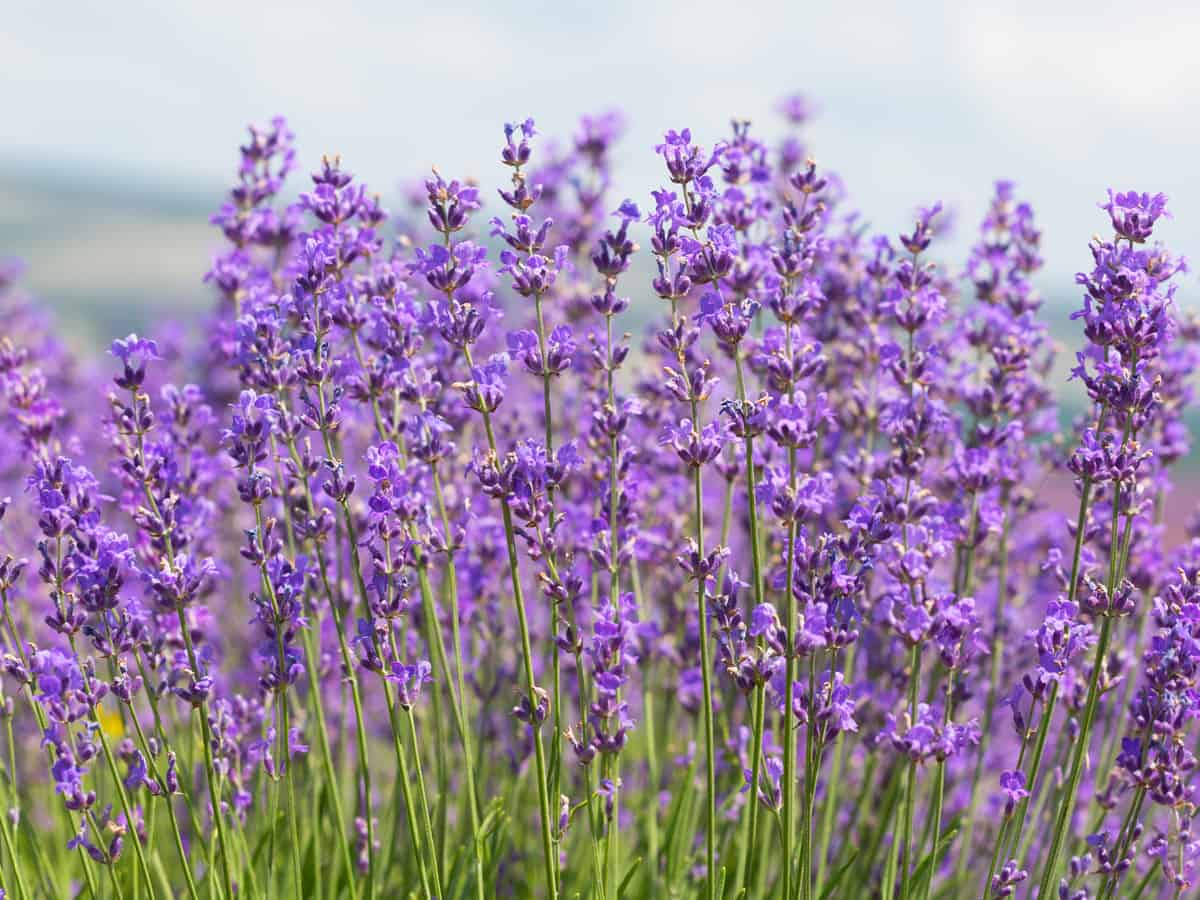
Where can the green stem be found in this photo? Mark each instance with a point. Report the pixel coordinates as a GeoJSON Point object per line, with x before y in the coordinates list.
{"type": "Point", "coordinates": [437, 872]}
{"type": "Point", "coordinates": [209, 765]}
{"type": "Point", "coordinates": [829, 811]}
{"type": "Point", "coordinates": [888, 888]}
{"type": "Point", "coordinates": [760, 690]}
{"type": "Point", "coordinates": [939, 789]}
{"type": "Point", "coordinates": [410, 811]}
{"type": "Point", "coordinates": [910, 786]}
{"type": "Point", "coordinates": [10, 852]}
{"type": "Point", "coordinates": [1145, 882]}
{"type": "Point", "coordinates": [612, 850]}
{"type": "Point", "coordinates": [285, 751]}
{"type": "Point", "coordinates": [789, 730]}
{"type": "Point", "coordinates": [756, 750]}
{"type": "Point", "coordinates": [1124, 837]}
{"type": "Point", "coordinates": [990, 703]}
{"type": "Point", "coordinates": [710, 776]}
{"type": "Point", "coordinates": [811, 774]}
{"type": "Point", "coordinates": [121, 795]}
{"type": "Point", "coordinates": [331, 780]}
{"type": "Point", "coordinates": [462, 716]}
{"type": "Point", "coordinates": [111, 864]}
{"type": "Point", "coordinates": [1067, 801]}
{"type": "Point", "coordinates": [651, 800]}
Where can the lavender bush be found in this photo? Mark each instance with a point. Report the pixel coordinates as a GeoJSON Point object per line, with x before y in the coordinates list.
{"type": "Point", "coordinates": [410, 573]}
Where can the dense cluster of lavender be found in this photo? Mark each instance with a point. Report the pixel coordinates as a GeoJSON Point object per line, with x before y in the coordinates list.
{"type": "Point", "coordinates": [416, 575]}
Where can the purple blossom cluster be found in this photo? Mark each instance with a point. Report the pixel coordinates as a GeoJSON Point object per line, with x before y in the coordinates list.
{"type": "Point", "coordinates": [410, 572]}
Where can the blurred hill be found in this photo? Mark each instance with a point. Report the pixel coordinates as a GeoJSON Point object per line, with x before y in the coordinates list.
{"type": "Point", "coordinates": [114, 252]}
{"type": "Point", "coordinates": [109, 254]}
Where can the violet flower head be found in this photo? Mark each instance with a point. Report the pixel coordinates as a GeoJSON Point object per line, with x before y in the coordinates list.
{"type": "Point", "coordinates": [1134, 214]}
{"type": "Point", "coordinates": [450, 203]}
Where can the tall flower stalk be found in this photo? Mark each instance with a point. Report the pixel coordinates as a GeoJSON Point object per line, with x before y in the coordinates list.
{"type": "Point", "coordinates": [1128, 321]}
{"type": "Point", "coordinates": [689, 381]}
{"type": "Point", "coordinates": [448, 268]}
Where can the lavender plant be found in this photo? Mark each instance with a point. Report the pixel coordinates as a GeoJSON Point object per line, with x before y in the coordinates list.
{"type": "Point", "coordinates": [411, 572]}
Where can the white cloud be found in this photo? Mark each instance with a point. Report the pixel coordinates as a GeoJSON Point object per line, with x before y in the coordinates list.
{"type": "Point", "coordinates": [1059, 68]}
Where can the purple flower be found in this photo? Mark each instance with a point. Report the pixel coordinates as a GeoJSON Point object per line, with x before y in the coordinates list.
{"type": "Point", "coordinates": [1012, 786]}
{"type": "Point", "coordinates": [409, 679]}
{"type": "Point", "coordinates": [450, 203]}
{"type": "Point", "coordinates": [1134, 215]}
{"type": "Point", "coordinates": [686, 162]}
{"type": "Point", "coordinates": [694, 448]}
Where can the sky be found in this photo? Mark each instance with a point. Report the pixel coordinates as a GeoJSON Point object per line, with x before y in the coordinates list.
{"type": "Point", "coordinates": [141, 106]}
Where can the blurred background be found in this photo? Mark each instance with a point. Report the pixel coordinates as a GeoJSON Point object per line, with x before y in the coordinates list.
{"type": "Point", "coordinates": [121, 120]}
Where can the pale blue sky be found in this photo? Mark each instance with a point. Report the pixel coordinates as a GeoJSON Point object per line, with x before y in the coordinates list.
{"type": "Point", "coordinates": [918, 100]}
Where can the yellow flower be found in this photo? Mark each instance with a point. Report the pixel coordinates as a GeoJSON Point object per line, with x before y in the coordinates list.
{"type": "Point", "coordinates": [111, 722]}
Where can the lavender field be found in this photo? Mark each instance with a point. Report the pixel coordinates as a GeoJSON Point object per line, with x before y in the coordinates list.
{"type": "Point", "coordinates": [530, 539]}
